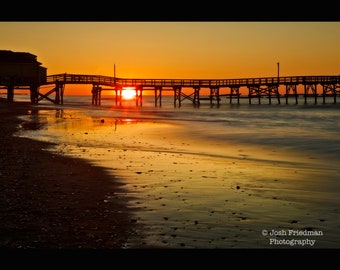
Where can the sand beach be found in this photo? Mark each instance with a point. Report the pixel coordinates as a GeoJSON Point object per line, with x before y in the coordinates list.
{"type": "Point", "coordinates": [145, 184]}
{"type": "Point", "coordinates": [53, 202]}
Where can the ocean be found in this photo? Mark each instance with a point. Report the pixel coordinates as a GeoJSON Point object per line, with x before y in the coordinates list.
{"type": "Point", "coordinates": [211, 176]}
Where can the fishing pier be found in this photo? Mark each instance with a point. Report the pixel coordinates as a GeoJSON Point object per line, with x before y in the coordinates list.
{"type": "Point", "coordinates": [278, 88]}
{"type": "Point", "coordinates": [22, 71]}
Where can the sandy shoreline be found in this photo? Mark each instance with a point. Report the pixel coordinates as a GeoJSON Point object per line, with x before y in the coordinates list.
{"type": "Point", "coordinates": [50, 201]}
{"type": "Point", "coordinates": [184, 195]}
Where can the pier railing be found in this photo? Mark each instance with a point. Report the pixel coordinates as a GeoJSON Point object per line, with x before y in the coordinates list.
{"type": "Point", "coordinates": [126, 82]}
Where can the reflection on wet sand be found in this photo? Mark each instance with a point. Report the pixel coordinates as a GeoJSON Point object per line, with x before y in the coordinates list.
{"type": "Point", "coordinates": [197, 193]}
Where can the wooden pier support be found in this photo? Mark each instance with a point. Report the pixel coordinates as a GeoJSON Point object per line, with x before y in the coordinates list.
{"type": "Point", "coordinates": [252, 91]}
{"type": "Point", "coordinates": [332, 89]}
{"type": "Point", "coordinates": [234, 91]}
{"type": "Point", "coordinates": [260, 92]}
{"type": "Point", "coordinates": [34, 94]}
{"type": "Point", "coordinates": [313, 88]}
{"type": "Point", "coordinates": [59, 93]}
{"type": "Point", "coordinates": [96, 94]}
{"type": "Point", "coordinates": [158, 96]}
{"type": "Point", "coordinates": [177, 96]}
{"type": "Point", "coordinates": [139, 96]}
{"type": "Point", "coordinates": [273, 89]}
{"type": "Point", "coordinates": [10, 93]}
{"type": "Point", "coordinates": [118, 92]}
{"type": "Point", "coordinates": [214, 94]}
{"type": "Point", "coordinates": [291, 87]}
{"type": "Point", "coordinates": [196, 99]}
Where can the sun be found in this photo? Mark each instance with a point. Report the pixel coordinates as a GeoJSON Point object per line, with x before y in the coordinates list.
{"type": "Point", "coordinates": [128, 93]}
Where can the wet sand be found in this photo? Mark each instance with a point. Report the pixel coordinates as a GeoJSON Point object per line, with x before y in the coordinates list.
{"type": "Point", "coordinates": [188, 193]}
{"type": "Point", "coordinates": [49, 201]}
{"type": "Point", "coordinates": [150, 190]}
{"type": "Point", "coordinates": [190, 199]}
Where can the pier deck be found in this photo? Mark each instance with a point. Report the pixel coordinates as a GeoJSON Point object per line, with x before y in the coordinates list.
{"type": "Point", "coordinates": [191, 89]}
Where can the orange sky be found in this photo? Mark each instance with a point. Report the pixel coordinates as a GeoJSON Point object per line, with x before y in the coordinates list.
{"type": "Point", "coordinates": [189, 50]}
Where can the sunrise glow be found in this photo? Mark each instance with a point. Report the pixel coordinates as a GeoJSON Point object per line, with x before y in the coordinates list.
{"type": "Point", "coordinates": [173, 56]}
{"type": "Point", "coordinates": [128, 93]}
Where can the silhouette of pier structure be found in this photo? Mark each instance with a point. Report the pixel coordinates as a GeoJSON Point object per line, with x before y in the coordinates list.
{"type": "Point", "coordinates": [278, 88]}
{"type": "Point", "coordinates": [21, 70]}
